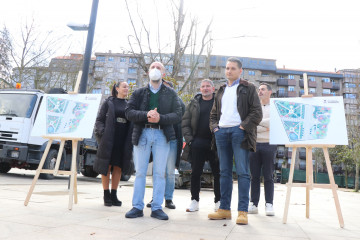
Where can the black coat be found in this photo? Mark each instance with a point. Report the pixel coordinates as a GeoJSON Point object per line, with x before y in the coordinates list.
{"type": "Point", "coordinates": [105, 133]}
{"type": "Point", "coordinates": [169, 109]}
{"type": "Point", "coordinates": [179, 136]}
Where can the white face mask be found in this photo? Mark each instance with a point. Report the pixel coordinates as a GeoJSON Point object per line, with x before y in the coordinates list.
{"type": "Point", "coordinates": [155, 74]}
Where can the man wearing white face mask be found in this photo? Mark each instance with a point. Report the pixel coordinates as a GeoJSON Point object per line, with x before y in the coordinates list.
{"type": "Point", "coordinates": [153, 110]}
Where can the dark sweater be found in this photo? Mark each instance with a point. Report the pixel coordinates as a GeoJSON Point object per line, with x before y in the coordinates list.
{"type": "Point", "coordinates": [203, 130]}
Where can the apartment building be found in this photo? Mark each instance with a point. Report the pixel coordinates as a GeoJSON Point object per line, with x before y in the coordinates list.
{"type": "Point", "coordinates": [351, 90]}
{"type": "Point", "coordinates": [62, 72]}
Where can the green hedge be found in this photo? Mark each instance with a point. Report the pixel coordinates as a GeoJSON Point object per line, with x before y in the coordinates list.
{"type": "Point", "coordinates": [300, 176]}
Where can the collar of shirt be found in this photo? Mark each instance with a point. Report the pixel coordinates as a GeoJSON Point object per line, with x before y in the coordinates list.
{"type": "Point", "coordinates": [153, 90]}
{"type": "Point", "coordinates": [234, 83]}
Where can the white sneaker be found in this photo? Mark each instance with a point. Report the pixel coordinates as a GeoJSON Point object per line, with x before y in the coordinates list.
{"type": "Point", "coordinates": [217, 205]}
{"type": "Point", "coordinates": [194, 206]}
{"type": "Point", "coordinates": [252, 208]}
{"type": "Point", "coordinates": [269, 209]}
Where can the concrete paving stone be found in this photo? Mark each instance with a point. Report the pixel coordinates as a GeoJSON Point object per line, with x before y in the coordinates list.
{"type": "Point", "coordinates": [47, 215]}
{"type": "Point", "coordinates": [11, 229]}
{"type": "Point", "coordinates": [159, 235]}
{"type": "Point", "coordinates": [76, 232]}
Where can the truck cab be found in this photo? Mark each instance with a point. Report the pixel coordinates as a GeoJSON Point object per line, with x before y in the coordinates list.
{"type": "Point", "coordinates": [18, 149]}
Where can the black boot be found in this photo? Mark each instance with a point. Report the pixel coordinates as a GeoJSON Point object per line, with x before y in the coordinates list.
{"type": "Point", "coordinates": [149, 204]}
{"type": "Point", "coordinates": [115, 201]}
{"type": "Point", "coordinates": [107, 198]}
{"type": "Point", "coordinates": [169, 204]}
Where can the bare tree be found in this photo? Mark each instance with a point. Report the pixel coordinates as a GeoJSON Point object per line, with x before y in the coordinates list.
{"type": "Point", "coordinates": [5, 65]}
{"type": "Point", "coordinates": [31, 54]}
{"type": "Point", "coordinates": [184, 42]}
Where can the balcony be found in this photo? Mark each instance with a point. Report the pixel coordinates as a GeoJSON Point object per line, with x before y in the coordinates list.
{"type": "Point", "coordinates": [301, 83]}
{"type": "Point", "coordinates": [280, 154]}
{"type": "Point", "coordinates": [335, 86]}
{"type": "Point", "coordinates": [302, 155]}
{"type": "Point", "coordinates": [286, 94]}
{"type": "Point", "coordinates": [327, 85]}
{"type": "Point", "coordinates": [311, 84]}
{"type": "Point", "coordinates": [286, 82]}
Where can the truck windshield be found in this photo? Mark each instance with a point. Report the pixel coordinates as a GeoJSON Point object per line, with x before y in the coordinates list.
{"type": "Point", "coordinates": [17, 105]}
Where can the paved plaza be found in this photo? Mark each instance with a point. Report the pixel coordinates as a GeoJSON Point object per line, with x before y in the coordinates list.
{"type": "Point", "coordinates": [47, 215]}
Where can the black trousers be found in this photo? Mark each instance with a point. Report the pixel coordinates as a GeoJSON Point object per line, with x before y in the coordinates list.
{"type": "Point", "coordinates": [262, 161]}
{"type": "Point", "coordinates": [201, 152]}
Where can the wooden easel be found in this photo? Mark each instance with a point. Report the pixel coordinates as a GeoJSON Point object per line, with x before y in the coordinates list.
{"type": "Point", "coordinates": [55, 171]}
{"type": "Point", "coordinates": [309, 173]}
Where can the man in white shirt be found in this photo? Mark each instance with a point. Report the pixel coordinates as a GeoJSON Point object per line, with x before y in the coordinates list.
{"type": "Point", "coordinates": [233, 119]}
{"type": "Point", "coordinates": [263, 159]}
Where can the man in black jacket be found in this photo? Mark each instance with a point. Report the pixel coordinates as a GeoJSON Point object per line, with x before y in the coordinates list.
{"type": "Point", "coordinates": [153, 110]}
{"type": "Point", "coordinates": [198, 137]}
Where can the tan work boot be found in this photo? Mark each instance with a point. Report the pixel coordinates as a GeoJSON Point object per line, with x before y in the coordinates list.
{"type": "Point", "coordinates": [220, 214]}
{"type": "Point", "coordinates": [242, 218]}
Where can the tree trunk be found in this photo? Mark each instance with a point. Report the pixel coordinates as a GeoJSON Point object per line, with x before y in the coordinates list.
{"type": "Point", "coordinates": [346, 178]}
{"type": "Point", "coordinates": [357, 177]}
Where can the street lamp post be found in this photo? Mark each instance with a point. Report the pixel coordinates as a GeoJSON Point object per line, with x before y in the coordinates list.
{"type": "Point", "coordinates": [89, 42]}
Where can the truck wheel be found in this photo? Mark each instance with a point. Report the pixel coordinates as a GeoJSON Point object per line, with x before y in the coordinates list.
{"type": "Point", "coordinates": [88, 171]}
{"type": "Point", "coordinates": [50, 162]}
{"type": "Point", "coordinates": [125, 178]}
{"type": "Point", "coordinates": [4, 167]}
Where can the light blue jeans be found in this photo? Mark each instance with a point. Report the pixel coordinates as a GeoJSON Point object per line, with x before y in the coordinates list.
{"type": "Point", "coordinates": [150, 140]}
{"type": "Point", "coordinates": [170, 171]}
{"type": "Point", "coordinates": [228, 142]}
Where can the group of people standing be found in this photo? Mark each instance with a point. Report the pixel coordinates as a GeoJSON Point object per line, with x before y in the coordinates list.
{"type": "Point", "coordinates": [228, 127]}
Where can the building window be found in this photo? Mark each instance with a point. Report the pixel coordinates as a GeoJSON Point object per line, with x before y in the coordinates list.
{"type": "Point", "coordinates": [169, 68]}
{"type": "Point", "coordinates": [291, 88]}
{"type": "Point", "coordinates": [133, 60]}
{"type": "Point", "coordinates": [312, 90]}
{"type": "Point", "coordinates": [301, 91]}
{"type": "Point", "coordinates": [265, 74]}
{"type": "Point", "coordinates": [107, 91]}
{"type": "Point", "coordinates": [281, 90]}
{"type": "Point", "coordinates": [100, 58]}
{"type": "Point", "coordinates": [99, 69]}
{"type": "Point", "coordinates": [200, 73]}
{"type": "Point", "coordinates": [291, 77]}
{"type": "Point", "coordinates": [132, 70]}
{"type": "Point", "coordinates": [350, 85]}
{"type": "Point", "coordinates": [311, 79]}
{"type": "Point", "coordinates": [122, 59]}
{"type": "Point", "coordinates": [251, 73]}
{"type": "Point", "coordinates": [350, 95]}
{"type": "Point", "coordinates": [110, 59]}
{"type": "Point", "coordinates": [326, 91]}
{"type": "Point", "coordinates": [122, 70]}
{"type": "Point", "coordinates": [110, 69]}
{"type": "Point", "coordinates": [131, 80]}
{"type": "Point", "coordinates": [325, 79]}
{"type": "Point", "coordinates": [96, 91]}
{"type": "Point", "coordinates": [109, 80]}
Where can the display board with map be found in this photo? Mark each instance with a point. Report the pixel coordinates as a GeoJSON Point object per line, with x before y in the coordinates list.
{"type": "Point", "coordinates": [316, 120]}
{"type": "Point", "coordinates": [67, 115]}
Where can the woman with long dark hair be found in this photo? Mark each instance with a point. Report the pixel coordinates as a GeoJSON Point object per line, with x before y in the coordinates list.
{"type": "Point", "coordinates": [113, 134]}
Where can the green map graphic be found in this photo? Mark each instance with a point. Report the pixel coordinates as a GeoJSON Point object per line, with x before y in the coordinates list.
{"type": "Point", "coordinates": [303, 121]}
{"type": "Point", "coordinates": [63, 116]}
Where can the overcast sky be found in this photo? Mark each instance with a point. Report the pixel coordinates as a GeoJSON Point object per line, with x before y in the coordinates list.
{"type": "Point", "coordinates": [307, 34]}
